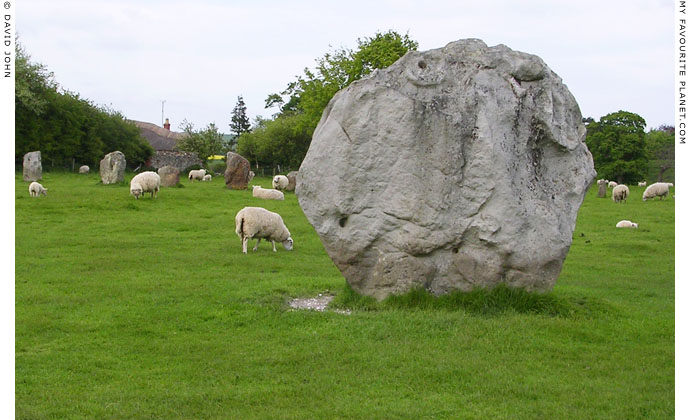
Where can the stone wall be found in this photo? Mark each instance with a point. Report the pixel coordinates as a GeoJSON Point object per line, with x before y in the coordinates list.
{"type": "Point", "coordinates": [179, 160]}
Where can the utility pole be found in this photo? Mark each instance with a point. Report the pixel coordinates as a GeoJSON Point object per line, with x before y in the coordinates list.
{"type": "Point", "coordinates": [162, 110]}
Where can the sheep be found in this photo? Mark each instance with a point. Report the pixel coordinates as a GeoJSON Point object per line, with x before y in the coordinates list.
{"type": "Point", "coordinates": [84, 169]}
{"type": "Point", "coordinates": [250, 176]}
{"type": "Point", "coordinates": [145, 182]}
{"type": "Point", "coordinates": [197, 174]}
{"type": "Point", "coordinates": [36, 189]}
{"type": "Point", "coordinates": [259, 223]}
{"type": "Point", "coordinates": [626, 224]}
{"type": "Point", "coordinates": [620, 193]}
{"type": "Point", "coordinates": [280, 182]}
{"type": "Point", "coordinates": [267, 194]}
{"type": "Point", "coordinates": [612, 184]}
{"type": "Point", "coordinates": [670, 184]}
{"type": "Point", "coordinates": [207, 177]}
{"type": "Point", "coordinates": [602, 181]}
{"type": "Point", "coordinates": [657, 189]}
{"type": "Point", "coordinates": [642, 184]}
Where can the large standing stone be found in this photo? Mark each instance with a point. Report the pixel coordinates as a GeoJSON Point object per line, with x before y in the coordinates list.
{"type": "Point", "coordinates": [32, 168]}
{"type": "Point", "coordinates": [113, 168]}
{"type": "Point", "coordinates": [454, 168]}
{"type": "Point", "coordinates": [236, 172]}
{"type": "Point", "coordinates": [170, 176]}
{"type": "Point", "coordinates": [292, 180]}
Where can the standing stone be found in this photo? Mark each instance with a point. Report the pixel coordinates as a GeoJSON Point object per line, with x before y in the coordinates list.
{"type": "Point", "coordinates": [113, 168]}
{"type": "Point", "coordinates": [292, 180]}
{"type": "Point", "coordinates": [32, 167]}
{"type": "Point", "coordinates": [84, 169]}
{"type": "Point", "coordinates": [452, 169]}
{"type": "Point", "coordinates": [236, 172]}
{"type": "Point", "coordinates": [170, 176]}
{"type": "Point", "coordinates": [601, 193]}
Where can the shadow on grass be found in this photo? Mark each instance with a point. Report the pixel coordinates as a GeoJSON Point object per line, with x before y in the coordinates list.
{"type": "Point", "coordinates": [501, 300]}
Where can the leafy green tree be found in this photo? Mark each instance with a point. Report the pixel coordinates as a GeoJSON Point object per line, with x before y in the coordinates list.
{"type": "Point", "coordinates": [204, 143]}
{"type": "Point", "coordinates": [239, 122]}
{"type": "Point", "coordinates": [617, 144]}
{"type": "Point", "coordinates": [661, 149]}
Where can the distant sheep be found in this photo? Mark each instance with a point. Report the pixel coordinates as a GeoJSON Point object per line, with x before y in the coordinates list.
{"type": "Point", "coordinates": [280, 182]}
{"type": "Point", "coordinates": [620, 193]}
{"type": "Point", "coordinates": [251, 176]}
{"type": "Point", "coordinates": [84, 169]}
{"type": "Point", "coordinates": [145, 182]}
{"type": "Point", "coordinates": [602, 181]}
{"type": "Point", "coordinates": [259, 223]}
{"type": "Point", "coordinates": [267, 194]}
{"type": "Point", "coordinates": [36, 189]}
{"type": "Point", "coordinates": [207, 177]}
{"type": "Point", "coordinates": [642, 184]}
{"type": "Point", "coordinates": [197, 174]}
{"type": "Point", "coordinates": [658, 189]}
{"type": "Point", "coordinates": [612, 184]}
{"type": "Point", "coordinates": [626, 224]}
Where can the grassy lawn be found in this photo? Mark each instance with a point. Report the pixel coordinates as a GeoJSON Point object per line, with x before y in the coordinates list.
{"type": "Point", "coordinates": [147, 309]}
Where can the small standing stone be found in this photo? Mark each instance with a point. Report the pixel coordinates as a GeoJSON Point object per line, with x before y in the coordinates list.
{"type": "Point", "coordinates": [602, 188]}
{"type": "Point", "coordinates": [113, 168]}
{"type": "Point", "coordinates": [236, 172]}
{"type": "Point", "coordinates": [292, 181]}
{"type": "Point", "coordinates": [32, 168]}
{"type": "Point", "coordinates": [170, 176]}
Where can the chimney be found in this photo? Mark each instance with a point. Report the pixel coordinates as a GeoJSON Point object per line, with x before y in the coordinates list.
{"type": "Point", "coordinates": [167, 124]}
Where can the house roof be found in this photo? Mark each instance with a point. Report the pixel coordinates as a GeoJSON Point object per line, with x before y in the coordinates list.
{"type": "Point", "coordinates": [158, 137]}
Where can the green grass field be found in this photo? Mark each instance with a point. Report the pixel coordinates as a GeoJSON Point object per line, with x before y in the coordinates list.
{"type": "Point", "coordinates": [147, 309]}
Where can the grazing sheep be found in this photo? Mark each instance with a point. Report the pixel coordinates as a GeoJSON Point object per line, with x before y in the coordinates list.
{"type": "Point", "coordinates": [670, 184]}
{"type": "Point", "coordinates": [84, 169]}
{"type": "Point", "coordinates": [251, 176]}
{"type": "Point", "coordinates": [36, 189]}
{"type": "Point", "coordinates": [280, 182]}
{"type": "Point", "coordinates": [267, 194]}
{"type": "Point", "coordinates": [259, 223]}
{"type": "Point", "coordinates": [642, 184]}
{"type": "Point", "coordinates": [197, 174]}
{"type": "Point", "coordinates": [657, 189]}
{"type": "Point", "coordinates": [145, 182]}
{"type": "Point", "coordinates": [626, 224]}
{"type": "Point", "coordinates": [620, 193]}
{"type": "Point", "coordinates": [602, 181]}
{"type": "Point", "coordinates": [207, 177]}
{"type": "Point", "coordinates": [612, 184]}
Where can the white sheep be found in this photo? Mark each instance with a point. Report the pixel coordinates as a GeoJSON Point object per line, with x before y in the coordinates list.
{"type": "Point", "coordinates": [145, 182]}
{"type": "Point", "coordinates": [626, 224]}
{"type": "Point", "coordinates": [602, 181]}
{"type": "Point", "coordinates": [259, 223]}
{"type": "Point", "coordinates": [620, 193]}
{"type": "Point", "coordinates": [197, 174]}
{"type": "Point", "coordinates": [207, 177]}
{"type": "Point", "coordinates": [84, 169]}
{"type": "Point", "coordinates": [612, 184]}
{"type": "Point", "coordinates": [267, 194]}
{"type": "Point", "coordinates": [36, 189]}
{"type": "Point", "coordinates": [657, 189]}
{"type": "Point", "coordinates": [642, 184]}
{"type": "Point", "coordinates": [670, 184]}
{"type": "Point", "coordinates": [280, 182]}
{"type": "Point", "coordinates": [250, 176]}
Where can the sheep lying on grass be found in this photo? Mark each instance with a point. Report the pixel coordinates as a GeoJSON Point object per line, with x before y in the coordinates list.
{"type": "Point", "coordinates": [36, 189]}
{"type": "Point", "coordinates": [626, 224]}
{"type": "Point", "coordinates": [267, 194]}
{"type": "Point", "coordinates": [197, 174]}
{"type": "Point", "coordinates": [280, 182]}
{"type": "Point", "coordinates": [620, 193]}
{"type": "Point", "coordinates": [145, 182]}
{"type": "Point", "coordinates": [207, 177]}
{"type": "Point", "coordinates": [259, 223]}
{"type": "Point", "coordinates": [658, 189]}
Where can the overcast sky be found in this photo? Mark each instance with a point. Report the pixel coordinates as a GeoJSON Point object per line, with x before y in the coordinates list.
{"type": "Point", "coordinates": [199, 56]}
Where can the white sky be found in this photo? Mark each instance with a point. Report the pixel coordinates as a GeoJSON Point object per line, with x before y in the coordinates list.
{"type": "Point", "coordinates": [199, 56]}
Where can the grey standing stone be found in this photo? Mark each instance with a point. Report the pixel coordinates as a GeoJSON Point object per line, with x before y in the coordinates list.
{"type": "Point", "coordinates": [236, 172]}
{"type": "Point", "coordinates": [292, 180]}
{"type": "Point", "coordinates": [170, 176]}
{"type": "Point", "coordinates": [454, 168]}
{"type": "Point", "coordinates": [113, 168]}
{"type": "Point", "coordinates": [601, 193]}
{"type": "Point", "coordinates": [32, 168]}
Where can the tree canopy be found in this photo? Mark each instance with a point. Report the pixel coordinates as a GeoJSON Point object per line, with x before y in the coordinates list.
{"type": "Point", "coordinates": [661, 149]}
{"type": "Point", "coordinates": [204, 143]}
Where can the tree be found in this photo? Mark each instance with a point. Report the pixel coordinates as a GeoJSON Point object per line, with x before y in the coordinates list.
{"type": "Point", "coordinates": [661, 149]}
{"type": "Point", "coordinates": [239, 121]}
{"type": "Point", "coordinates": [617, 144]}
{"type": "Point", "coordinates": [204, 143]}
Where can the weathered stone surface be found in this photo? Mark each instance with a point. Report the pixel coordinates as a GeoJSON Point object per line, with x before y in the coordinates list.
{"type": "Point", "coordinates": [170, 176]}
{"type": "Point", "coordinates": [32, 168]}
{"type": "Point", "coordinates": [113, 168]}
{"type": "Point", "coordinates": [601, 192]}
{"type": "Point", "coordinates": [292, 180]}
{"type": "Point", "coordinates": [454, 168]}
{"type": "Point", "coordinates": [236, 172]}
{"type": "Point", "coordinates": [84, 169]}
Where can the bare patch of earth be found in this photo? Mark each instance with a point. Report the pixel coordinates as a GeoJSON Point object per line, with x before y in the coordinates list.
{"type": "Point", "coordinates": [318, 303]}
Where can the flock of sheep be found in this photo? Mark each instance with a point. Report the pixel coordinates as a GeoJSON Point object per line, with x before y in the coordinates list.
{"type": "Point", "coordinates": [620, 194]}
